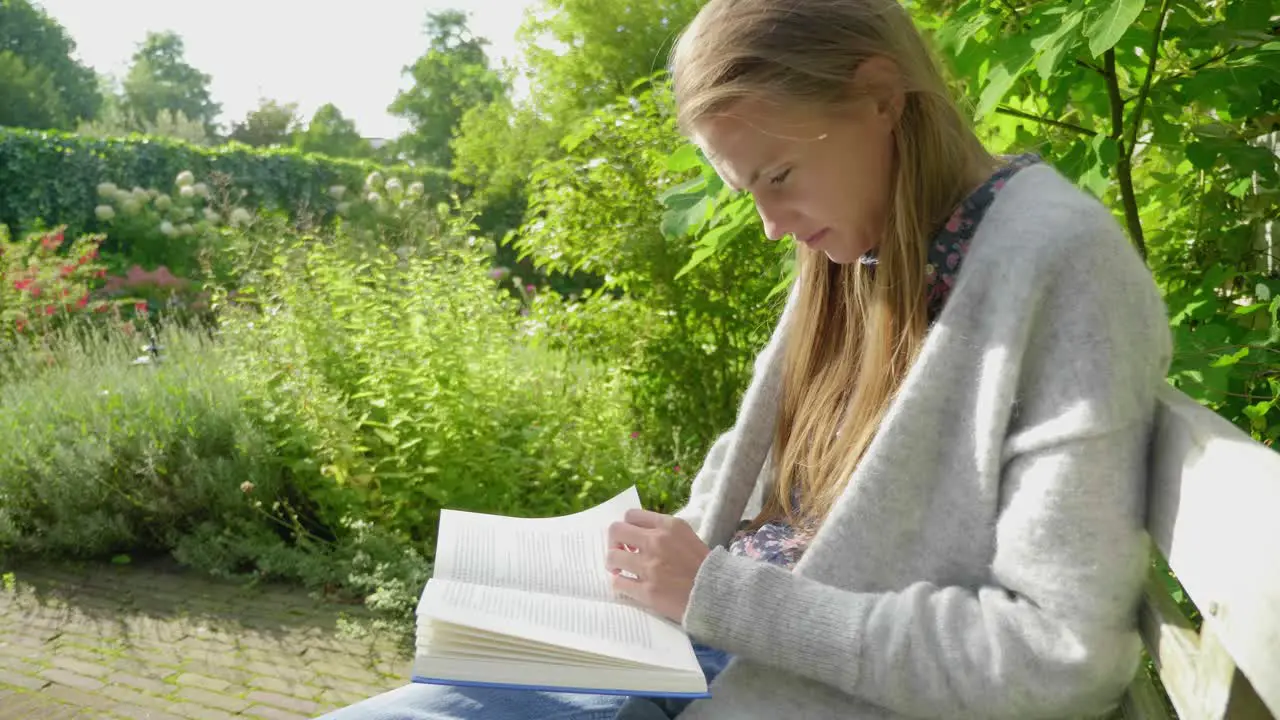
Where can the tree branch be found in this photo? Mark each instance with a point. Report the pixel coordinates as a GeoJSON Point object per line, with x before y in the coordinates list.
{"type": "Point", "coordinates": [1091, 66]}
{"type": "Point", "coordinates": [1135, 125]}
{"type": "Point", "coordinates": [1124, 166]}
{"type": "Point", "coordinates": [1006, 110]}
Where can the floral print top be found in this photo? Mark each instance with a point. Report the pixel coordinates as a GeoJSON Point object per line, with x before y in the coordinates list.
{"type": "Point", "coordinates": [783, 544]}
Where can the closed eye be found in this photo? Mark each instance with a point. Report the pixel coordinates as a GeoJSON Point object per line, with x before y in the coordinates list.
{"type": "Point", "coordinates": [780, 177]}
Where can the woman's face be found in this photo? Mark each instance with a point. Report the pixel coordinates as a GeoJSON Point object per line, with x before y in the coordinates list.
{"type": "Point", "coordinates": [822, 176]}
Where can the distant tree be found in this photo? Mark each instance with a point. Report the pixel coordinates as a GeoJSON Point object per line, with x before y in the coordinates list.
{"type": "Point", "coordinates": [452, 77]}
{"type": "Point", "coordinates": [329, 133]}
{"type": "Point", "coordinates": [162, 79]}
{"type": "Point", "coordinates": [41, 84]}
{"type": "Point", "coordinates": [271, 123]}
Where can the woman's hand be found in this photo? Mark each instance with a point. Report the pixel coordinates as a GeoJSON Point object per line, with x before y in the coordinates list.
{"type": "Point", "coordinates": [663, 553]}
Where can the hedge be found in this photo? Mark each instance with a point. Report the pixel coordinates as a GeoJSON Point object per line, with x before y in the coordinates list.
{"type": "Point", "coordinates": [52, 177]}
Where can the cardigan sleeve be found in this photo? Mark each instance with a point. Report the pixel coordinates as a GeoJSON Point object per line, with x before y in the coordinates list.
{"type": "Point", "coordinates": [1051, 631]}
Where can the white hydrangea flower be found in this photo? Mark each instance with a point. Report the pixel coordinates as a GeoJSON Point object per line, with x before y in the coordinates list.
{"type": "Point", "coordinates": [417, 189]}
{"type": "Point", "coordinates": [201, 189]}
{"type": "Point", "coordinates": [123, 196]}
{"type": "Point", "coordinates": [240, 216]}
{"type": "Point", "coordinates": [130, 206]}
{"type": "Point", "coordinates": [373, 198]}
{"type": "Point", "coordinates": [343, 208]}
{"type": "Point", "coordinates": [104, 212]}
{"type": "Point", "coordinates": [163, 202]}
{"type": "Point", "coordinates": [405, 204]}
{"type": "Point", "coordinates": [187, 191]}
{"type": "Point", "coordinates": [185, 229]}
{"type": "Point", "coordinates": [337, 191]}
{"type": "Point", "coordinates": [212, 216]}
{"type": "Point", "coordinates": [374, 181]}
{"type": "Point", "coordinates": [186, 178]}
{"type": "Point", "coordinates": [107, 190]}
{"type": "Point", "coordinates": [394, 188]}
{"type": "Point", "coordinates": [167, 229]}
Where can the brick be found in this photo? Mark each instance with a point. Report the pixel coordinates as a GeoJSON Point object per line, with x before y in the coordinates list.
{"type": "Point", "coordinates": [284, 701]}
{"type": "Point", "coordinates": [200, 712]}
{"type": "Point", "coordinates": [129, 696]}
{"type": "Point", "coordinates": [151, 685]}
{"type": "Point", "coordinates": [72, 696]}
{"type": "Point", "coordinates": [222, 701]}
{"type": "Point", "coordinates": [81, 667]}
{"type": "Point", "coordinates": [277, 670]}
{"type": "Point", "coordinates": [203, 682]}
{"type": "Point", "coordinates": [14, 679]}
{"type": "Point", "coordinates": [133, 712]}
{"type": "Point", "coordinates": [70, 679]}
{"type": "Point", "coordinates": [368, 688]}
{"type": "Point", "coordinates": [333, 699]}
{"type": "Point", "coordinates": [284, 687]}
{"type": "Point", "coordinates": [19, 665]}
{"type": "Point", "coordinates": [233, 675]}
{"type": "Point", "coordinates": [267, 712]}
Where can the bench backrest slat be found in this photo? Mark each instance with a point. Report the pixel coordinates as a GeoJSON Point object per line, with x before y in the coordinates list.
{"type": "Point", "coordinates": [1213, 505]}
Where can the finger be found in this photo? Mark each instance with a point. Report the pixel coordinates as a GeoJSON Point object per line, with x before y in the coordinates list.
{"type": "Point", "coordinates": [621, 533]}
{"type": "Point", "coordinates": [628, 588]}
{"type": "Point", "coordinates": [617, 560]}
{"type": "Point", "coordinates": [646, 519]}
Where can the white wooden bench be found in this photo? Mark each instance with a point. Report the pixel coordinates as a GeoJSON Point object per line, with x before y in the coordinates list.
{"type": "Point", "coordinates": [1213, 512]}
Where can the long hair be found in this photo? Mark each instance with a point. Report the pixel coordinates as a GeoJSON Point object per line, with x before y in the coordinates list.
{"type": "Point", "coordinates": [857, 327]}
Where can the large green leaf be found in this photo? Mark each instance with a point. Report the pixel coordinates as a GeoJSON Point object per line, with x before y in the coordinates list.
{"type": "Point", "coordinates": [1004, 73]}
{"type": "Point", "coordinates": [1055, 45]}
{"type": "Point", "coordinates": [1107, 29]}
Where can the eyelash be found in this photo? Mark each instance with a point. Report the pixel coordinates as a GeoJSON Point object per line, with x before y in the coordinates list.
{"type": "Point", "coordinates": [780, 177]}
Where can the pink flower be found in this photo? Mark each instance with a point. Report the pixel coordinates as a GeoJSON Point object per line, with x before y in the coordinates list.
{"type": "Point", "coordinates": [953, 225]}
{"type": "Point", "coordinates": [635, 434]}
{"type": "Point", "coordinates": [677, 469]}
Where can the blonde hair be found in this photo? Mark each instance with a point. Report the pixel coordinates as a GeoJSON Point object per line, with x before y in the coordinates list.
{"type": "Point", "coordinates": [857, 330]}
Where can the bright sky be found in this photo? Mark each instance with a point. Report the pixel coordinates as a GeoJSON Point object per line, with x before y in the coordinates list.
{"type": "Point", "coordinates": [350, 54]}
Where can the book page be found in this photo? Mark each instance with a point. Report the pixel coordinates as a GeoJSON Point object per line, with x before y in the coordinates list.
{"type": "Point", "coordinates": [560, 556]}
{"type": "Point", "coordinates": [616, 630]}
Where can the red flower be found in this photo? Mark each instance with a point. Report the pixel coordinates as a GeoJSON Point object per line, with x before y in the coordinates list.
{"type": "Point", "coordinates": [140, 306]}
{"type": "Point", "coordinates": [21, 285]}
{"type": "Point", "coordinates": [49, 309]}
{"type": "Point", "coordinates": [35, 291]}
{"type": "Point", "coordinates": [66, 292]}
{"type": "Point", "coordinates": [21, 324]}
{"type": "Point", "coordinates": [83, 301]}
{"type": "Point", "coordinates": [66, 270]}
{"type": "Point", "coordinates": [100, 307]}
{"type": "Point", "coordinates": [100, 273]}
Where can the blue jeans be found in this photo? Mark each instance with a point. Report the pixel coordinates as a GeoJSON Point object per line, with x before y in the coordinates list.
{"type": "Point", "coordinates": [419, 701]}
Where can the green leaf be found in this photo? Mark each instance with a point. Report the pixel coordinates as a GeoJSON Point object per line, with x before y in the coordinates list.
{"type": "Point", "coordinates": [1107, 29]}
{"type": "Point", "coordinates": [686, 158]}
{"type": "Point", "coordinates": [1056, 44]}
{"type": "Point", "coordinates": [699, 256]}
{"type": "Point", "coordinates": [1005, 71]}
{"type": "Point", "coordinates": [685, 218]}
{"type": "Point", "coordinates": [1106, 149]}
{"type": "Point", "coordinates": [1229, 360]}
{"type": "Point", "coordinates": [1201, 155]}
{"type": "Point", "coordinates": [687, 188]}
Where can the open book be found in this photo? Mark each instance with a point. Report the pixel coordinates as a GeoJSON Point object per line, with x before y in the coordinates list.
{"type": "Point", "coordinates": [527, 603]}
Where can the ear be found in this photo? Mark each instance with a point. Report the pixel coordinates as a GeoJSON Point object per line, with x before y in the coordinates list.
{"type": "Point", "coordinates": [881, 80]}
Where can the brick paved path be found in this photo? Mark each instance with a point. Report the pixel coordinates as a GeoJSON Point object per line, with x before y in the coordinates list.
{"type": "Point", "coordinates": [126, 642]}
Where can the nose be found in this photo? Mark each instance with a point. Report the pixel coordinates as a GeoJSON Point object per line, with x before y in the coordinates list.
{"type": "Point", "coordinates": [774, 217]}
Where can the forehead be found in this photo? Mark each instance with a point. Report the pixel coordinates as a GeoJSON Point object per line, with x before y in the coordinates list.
{"type": "Point", "coordinates": [749, 135]}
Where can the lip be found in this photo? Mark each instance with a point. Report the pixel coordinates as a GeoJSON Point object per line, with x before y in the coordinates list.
{"type": "Point", "coordinates": [815, 238]}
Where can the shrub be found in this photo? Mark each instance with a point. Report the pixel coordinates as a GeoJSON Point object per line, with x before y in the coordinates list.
{"type": "Point", "coordinates": [54, 176]}
{"type": "Point", "coordinates": [105, 456]}
{"type": "Point", "coordinates": [44, 281]}
{"type": "Point", "coordinates": [395, 382]}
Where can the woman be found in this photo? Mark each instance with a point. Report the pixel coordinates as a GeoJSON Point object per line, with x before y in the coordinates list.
{"type": "Point", "coordinates": [931, 502]}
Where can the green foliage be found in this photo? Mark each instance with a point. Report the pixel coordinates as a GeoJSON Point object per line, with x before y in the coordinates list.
{"type": "Point", "coordinates": [690, 337]}
{"type": "Point", "coordinates": [398, 381]}
{"type": "Point", "coordinates": [271, 124]}
{"type": "Point", "coordinates": [42, 85]}
{"type": "Point", "coordinates": [329, 133]}
{"type": "Point", "coordinates": [450, 79]}
{"type": "Point", "coordinates": [102, 456]}
{"type": "Point", "coordinates": [54, 176]}
{"type": "Point", "coordinates": [1163, 109]}
{"type": "Point", "coordinates": [162, 79]}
